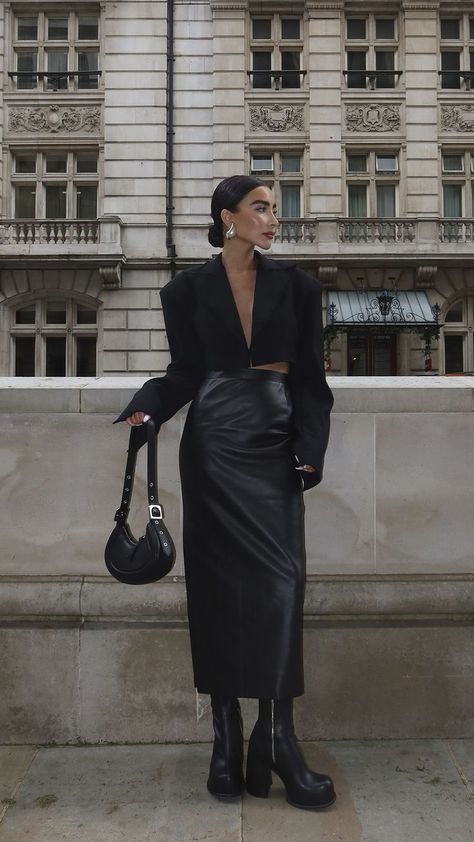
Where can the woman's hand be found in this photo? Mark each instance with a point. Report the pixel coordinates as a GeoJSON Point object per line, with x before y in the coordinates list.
{"type": "Point", "coordinates": [137, 418]}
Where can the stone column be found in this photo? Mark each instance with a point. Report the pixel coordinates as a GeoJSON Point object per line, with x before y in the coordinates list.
{"type": "Point", "coordinates": [421, 81]}
{"type": "Point", "coordinates": [229, 40]}
{"type": "Point", "coordinates": [325, 114]}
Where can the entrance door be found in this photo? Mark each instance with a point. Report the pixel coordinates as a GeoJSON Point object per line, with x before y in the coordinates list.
{"type": "Point", "coordinates": [371, 353]}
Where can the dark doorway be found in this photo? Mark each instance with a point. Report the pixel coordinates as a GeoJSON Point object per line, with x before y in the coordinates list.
{"type": "Point", "coordinates": [371, 353]}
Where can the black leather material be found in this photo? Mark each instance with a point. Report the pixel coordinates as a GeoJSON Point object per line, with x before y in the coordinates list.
{"type": "Point", "coordinates": [243, 531]}
{"type": "Point", "coordinates": [273, 746]}
{"type": "Point", "coordinates": [152, 556]}
{"type": "Point", "coordinates": [226, 779]}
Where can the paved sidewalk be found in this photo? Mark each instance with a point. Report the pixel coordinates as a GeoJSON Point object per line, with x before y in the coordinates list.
{"type": "Point", "coordinates": [388, 791]}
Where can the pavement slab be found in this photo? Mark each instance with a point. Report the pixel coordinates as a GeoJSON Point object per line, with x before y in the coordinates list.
{"type": "Point", "coordinates": [388, 791]}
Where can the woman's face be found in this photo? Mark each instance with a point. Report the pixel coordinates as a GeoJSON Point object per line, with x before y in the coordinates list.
{"type": "Point", "coordinates": [255, 221]}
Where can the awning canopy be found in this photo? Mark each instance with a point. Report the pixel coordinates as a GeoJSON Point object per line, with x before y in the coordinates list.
{"type": "Point", "coordinates": [404, 308]}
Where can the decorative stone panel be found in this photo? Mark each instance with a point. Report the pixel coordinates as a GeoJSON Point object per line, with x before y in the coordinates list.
{"type": "Point", "coordinates": [457, 118]}
{"type": "Point", "coordinates": [51, 119]}
{"type": "Point", "coordinates": [373, 118]}
{"type": "Point", "coordinates": [276, 118]}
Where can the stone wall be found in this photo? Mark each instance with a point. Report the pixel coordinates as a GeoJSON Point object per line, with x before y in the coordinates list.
{"type": "Point", "coordinates": [390, 596]}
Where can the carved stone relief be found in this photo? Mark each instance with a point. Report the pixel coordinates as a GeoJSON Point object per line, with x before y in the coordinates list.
{"type": "Point", "coordinates": [373, 118]}
{"type": "Point", "coordinates": [457, 118]}
{"type": "Point", "coordinates": [53, 119]}
{"type": "Point", "coordinates": [276, 118]}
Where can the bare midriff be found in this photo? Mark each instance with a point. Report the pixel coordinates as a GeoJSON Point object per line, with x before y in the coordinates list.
{"type": "Point", "coordinates": [283, 367]}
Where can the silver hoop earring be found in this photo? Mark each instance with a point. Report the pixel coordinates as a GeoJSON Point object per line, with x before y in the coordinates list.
{"type": "Point", "coordinates": [230, 233]}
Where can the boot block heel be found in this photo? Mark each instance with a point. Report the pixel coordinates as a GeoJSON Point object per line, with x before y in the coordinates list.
{"type": "Point", "coordinates": [258, 777]}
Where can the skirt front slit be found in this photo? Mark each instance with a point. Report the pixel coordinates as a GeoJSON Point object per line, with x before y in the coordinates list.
{"type": "Point", "coordinates": [243, 534]}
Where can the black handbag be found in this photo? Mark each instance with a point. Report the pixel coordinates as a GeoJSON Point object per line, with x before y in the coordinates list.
{"type": "Point", "coordinates": [153, 555]}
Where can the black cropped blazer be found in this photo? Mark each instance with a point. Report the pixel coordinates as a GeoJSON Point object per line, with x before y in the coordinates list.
{"type": "Point", "coordinates": [205, 334]}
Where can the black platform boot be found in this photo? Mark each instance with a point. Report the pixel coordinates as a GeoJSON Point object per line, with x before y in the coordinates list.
{"type": "Point", "coordinates": [226, 778]}
{"type": "Point", "coordinates": [273, 745]}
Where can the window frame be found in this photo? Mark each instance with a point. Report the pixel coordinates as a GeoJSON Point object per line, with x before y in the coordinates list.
{"type": "Point", "coordinates": [464, 45]}
{"type": "Point", "coordinates": [276, 46]}
{"type": "Point", "coordinates": [371, 45]}
{"type": "Point", "coordinates": [371, 178]}
{"type": "Point", "coordinates": [40, 330]}
{"type": "Point", "coordinates": [279, 177]}
{"type": "Point", "coordinates": [462, 178]}
{"type": "Point", "coordinates": [42, 178]}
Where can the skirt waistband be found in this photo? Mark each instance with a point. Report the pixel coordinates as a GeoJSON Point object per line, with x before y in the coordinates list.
{"type": "Point", "coordinates": [247, 374]}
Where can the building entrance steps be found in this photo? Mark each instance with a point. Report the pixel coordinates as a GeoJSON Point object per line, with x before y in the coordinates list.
{"type": "Point", "coordinates": [388, 791]}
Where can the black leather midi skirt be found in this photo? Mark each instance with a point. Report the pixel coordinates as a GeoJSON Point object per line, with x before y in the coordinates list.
{"type": "Point", "coordinates": [243, 530]}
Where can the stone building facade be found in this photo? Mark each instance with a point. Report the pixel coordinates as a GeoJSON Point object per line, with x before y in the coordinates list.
{"type": "Point", "coordinates": [119, 118]}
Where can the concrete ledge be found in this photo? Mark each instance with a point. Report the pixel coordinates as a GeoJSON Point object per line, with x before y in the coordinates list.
{"type": "Point", "coordinates": [337, 599]}
{"type": "Point", "coordinates": [351, 394]}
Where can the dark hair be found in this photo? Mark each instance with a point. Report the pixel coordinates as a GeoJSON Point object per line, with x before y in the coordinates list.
{"type": "Point", "coordinates": [227, 195]}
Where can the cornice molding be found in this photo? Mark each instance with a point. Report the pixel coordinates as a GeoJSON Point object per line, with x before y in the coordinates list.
{"type": "Point", "coordinates": [423, 5]}
{"type": "Point", "coordinates": [338, 5]}
{"type": "Point", "coordinates": [229, 5]}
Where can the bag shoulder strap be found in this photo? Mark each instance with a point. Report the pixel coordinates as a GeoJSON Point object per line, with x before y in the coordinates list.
{"type": "Point", "coordinates": [136, 441]}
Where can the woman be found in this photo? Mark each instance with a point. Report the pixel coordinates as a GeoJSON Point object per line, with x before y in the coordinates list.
{"type": "Point", "coordinates": [245, 337]}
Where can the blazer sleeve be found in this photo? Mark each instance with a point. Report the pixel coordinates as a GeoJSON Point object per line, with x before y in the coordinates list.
{"type": "Point", "coordinates": [162, 397]}
{"type": "Point", "coordinates": [312, 397]}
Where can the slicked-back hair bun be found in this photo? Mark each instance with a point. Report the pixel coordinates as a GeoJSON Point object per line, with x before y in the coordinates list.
{"type": "Point", "coordinates": [227, 196]}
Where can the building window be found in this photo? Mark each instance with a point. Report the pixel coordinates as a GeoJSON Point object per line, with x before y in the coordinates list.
{"type": "Point", "coordinates": [458, 184]}
{"type": "Point", "coordinates": [54, 337]}
{"type": "Point", "coordinates": [372, 184]}
{"type": "Point", "coordinates": [56, 50]}
{"type": "Point", "coordinates": [283, 171]}
{"type": "Point", "coordinates": [457, 52]}
{"type": "Point", "coordinates": [276, 47]}
{"type": "Point", "coordinates": [371, 46]}
{"type": "Point", "coordinates": [459, 336]}
{"type": "Point", "coordinates": [55, 184]}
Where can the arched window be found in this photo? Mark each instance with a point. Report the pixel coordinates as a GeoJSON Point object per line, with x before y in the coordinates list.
{"type": "Point", "coordinates": [458, 336]}
{"type": "Point", "coordinates": [53, 336]}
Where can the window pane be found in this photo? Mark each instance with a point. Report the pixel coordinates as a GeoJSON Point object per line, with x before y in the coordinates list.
{"type": "Point", "coordinates": [86, 162]}
{"type": "Point", "coordinates": [25, 163]}
{"type": "Point", "coordinates": [453, 163]}
{"type": "Point", "coordinates": [24, 356]}
{"type": "Point", "coordinates": [86, 207]}
{"type": "Point", "coordinates": [262, 163]}
{"type": "Point", "coordinates": [262, 62]}
{"type": "Point", "coordinates": [385, 28]}
{"type": "Point", "coordinates": [355, 61]}
{"type": "Point", "coordinates": [56, 162]}
{"type": "Point", "coordinates": [261, 28]}
{"type": "Point", "coordinates": [471, 28]}
{"type": "Point", "coordinates": [56, 312]}
{"type": "Point", "coordinates": [452, 195]}
{"type": "Point", "coordinates": [386, 163]}
{"type": "Point", "coordinates": [290, 28]}
{"type": "Point", "coordinates": [26, 67]}
{"type": "Point", "coordinates": [455, 313]}
{"type": "Point", "coordinates": [450, 62]}
{"type": "Point", "coordinates": [356, 28]}
{"type": "Point", "coordinates": [450, 28]}
{"type": "Point", "coordinates": [57, 29]}
{"type": "Point", "coordinates": [55, 356]}
{"type": "Point", "coordinates": [384, 63]}
{"type": "Point", "coordinates": [290, 64]}
{"type": "Point", "coordinates": [88, 28]}
{"type": "Point", "coordinates": [86, 356]}
{"type": "Point", "coordinates": [25, 315]}
{"type": "Point", "coordinates": [27, 29]}
{"type": "Point", "coordinates": [85, 315]}
{"type": "Point", "coordinates": [55, 201]}
{"type": "Point", "coordinates": [57, 70]}
{"type": "Point", "coordinates": [87, 65]}
{"type": "Point", "coordinates": [471, 62]}
{"type": "Point", "coordinates": [385, 200]}
{"type": "Point", "coordinates": [357, 163]}
{"type": "Point", "coordinates": [357, 194]}
{"type": "Point", "coordinates": [291, 163]}
{"type": "Point", "coordinates": [25, 201]}
{"type": "Point", "coordinates": [453, 353]}
{"type": "Point", "coordinates": [290, 200]}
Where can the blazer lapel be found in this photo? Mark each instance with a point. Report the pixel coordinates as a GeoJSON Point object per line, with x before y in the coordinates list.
{"type": "Point", "coordinates": [271, 281]}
